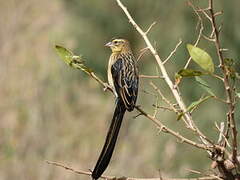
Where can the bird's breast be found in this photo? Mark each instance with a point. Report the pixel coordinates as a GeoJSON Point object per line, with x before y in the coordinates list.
{"type": "Point", "coordinates": [111, 61]}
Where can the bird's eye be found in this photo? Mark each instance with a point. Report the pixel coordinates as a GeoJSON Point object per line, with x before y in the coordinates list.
{"type": "Point", "coordinates": [115, 42]}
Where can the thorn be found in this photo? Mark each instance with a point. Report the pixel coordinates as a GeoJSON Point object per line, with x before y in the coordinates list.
{"type": "Point", "coordinates": [150, 27]}
{"type": "Point", "coordinates": [139, 114]}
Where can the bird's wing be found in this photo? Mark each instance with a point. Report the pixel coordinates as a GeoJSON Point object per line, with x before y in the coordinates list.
{"type": "Point", "coordinates": [125, 78]}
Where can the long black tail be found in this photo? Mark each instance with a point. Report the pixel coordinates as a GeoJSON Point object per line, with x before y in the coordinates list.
{"type": "Point", "coordinates": [110, 141]}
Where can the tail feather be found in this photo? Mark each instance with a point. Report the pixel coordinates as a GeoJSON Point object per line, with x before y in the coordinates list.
{"type": "Point", "coordinates": [110, 141]}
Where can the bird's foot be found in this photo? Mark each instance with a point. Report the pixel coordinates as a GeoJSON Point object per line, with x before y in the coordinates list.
{"type": "Point", "coordinates": [106, 86]}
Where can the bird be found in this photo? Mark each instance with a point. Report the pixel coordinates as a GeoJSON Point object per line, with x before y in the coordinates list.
{"type": "Point", "coordinates": [123, 78]}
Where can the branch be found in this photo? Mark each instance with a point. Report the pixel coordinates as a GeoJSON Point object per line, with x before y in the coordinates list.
{"type": "Point", "coordinates": [105, 85]}
{"type": "Point", "coordinates": [221, 134]}
{"type": "Point", "coordinates": [228, 89]}
{"type": "Point", "coordinates": [150, 77]}
{"type": "Point", "coordinates": [71, 169]}
{"type": "Point", "coordinates": [173, 52]}
{"type": "Point", "coordinates": [142, 52]}
{"type": "Point", "coordinates": [123, 178]}
{"type": "Point", "coordinates": [150, 27]}
{"type": "Point", "coordinates": [164, 98]}
{"type": "Point", "coordinates": [165, 129]}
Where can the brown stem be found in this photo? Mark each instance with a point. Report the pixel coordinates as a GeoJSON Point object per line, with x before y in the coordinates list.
{"type": "Point", "coordinates": [88, 173]}
{"type": "Point", "coordinates": [228, 89]}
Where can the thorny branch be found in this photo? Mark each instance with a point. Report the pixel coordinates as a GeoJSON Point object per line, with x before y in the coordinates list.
{"type": "Point", "coordinates": [88, 173]}
{"type": "Point", "coordinates": [228, 88]}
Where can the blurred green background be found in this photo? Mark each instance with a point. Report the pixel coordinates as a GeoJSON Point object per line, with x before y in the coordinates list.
{"type": "Point", "coordinates": [49, 111]}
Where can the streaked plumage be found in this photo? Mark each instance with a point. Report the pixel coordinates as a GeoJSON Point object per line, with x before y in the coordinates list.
{"type": "Point", "coordinates": [123, 77]}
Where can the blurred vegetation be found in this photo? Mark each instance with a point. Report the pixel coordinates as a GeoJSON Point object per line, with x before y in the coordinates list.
{"type": "Point", "coordinates": [49, 111]}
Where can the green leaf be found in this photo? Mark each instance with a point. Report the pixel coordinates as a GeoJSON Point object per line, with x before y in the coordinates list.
{"type": "Point", "coordinates": [193, 106]}
{"type": "Point", "coordinates": [201, 57]}
{"type": "Point", "coordinates": [204, 85]}
{"type": "Point", "coordinates": [72, 60]}
{"type": "Point", "coordinates": [189, 73]}
{"type": "Point", "coordinates": [65, 54]}
{"type": "Point", "coordinates": [198, 102]}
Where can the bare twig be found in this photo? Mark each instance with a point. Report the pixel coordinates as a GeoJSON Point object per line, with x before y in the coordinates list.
{"type": "Point", "coordinates": [163, 97]}
{"type": "Point", "coordinates": [220, 129]}
{"type": "Point", "coordinates": [70, 168]}
{"type": "Point", "coordinates": [194, 171]}
{"type": "Point", "coordinates": [88, 173]}
{"type": "Point", "coordinates": [218, 13]}
{"type": "Point", "coordinates": [173, 52]}
{"type": "Point", "coordinates": [223, 49]}
{"type": "Point", "coordinates": [208, 38]}
{"type": "Point", "coordinates": [142, 52]}
{"type": "Point", "coordinates": [156, 109]}
{"type": "Point", "coordinates": [150, 27]}
{"type": "Point", "coordinates": [150, 77]}
{"type": "Point", "coordinates": [216, 76]}
{"type": "Point", "coordinates": [177, 135]}
{"type": "Point", "coordinates": [221, 134]}
{"type": "Point", "coordinates": [198, 172]}
{"type": "Point", "coordinates": [163, 107]}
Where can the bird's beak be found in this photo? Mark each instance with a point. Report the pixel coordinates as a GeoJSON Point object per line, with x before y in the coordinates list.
{"type": "Point", "coordinates": [109, 44]}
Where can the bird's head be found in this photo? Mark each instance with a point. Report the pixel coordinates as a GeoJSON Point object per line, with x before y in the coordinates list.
{"type": "Point", "coordinates": [119, 45]}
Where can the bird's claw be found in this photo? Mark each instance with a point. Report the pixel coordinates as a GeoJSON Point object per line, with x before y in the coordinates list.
{"type": "Point", "coordinates": [106, 86]}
